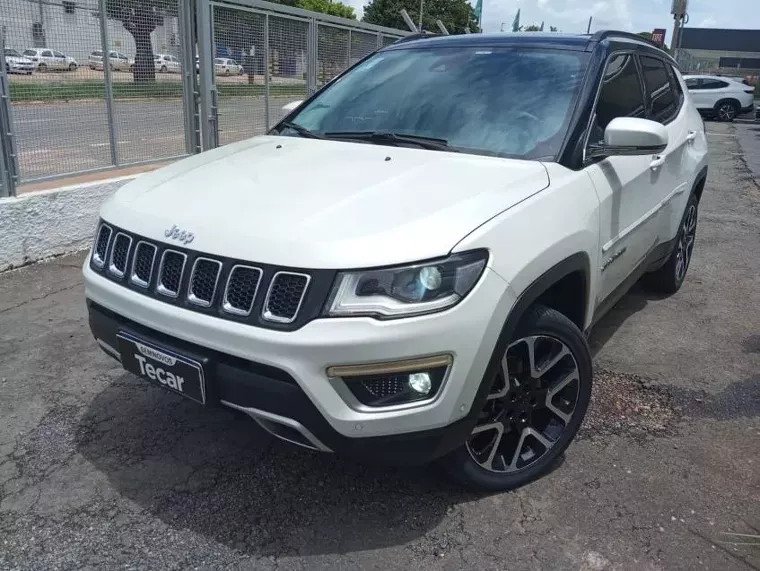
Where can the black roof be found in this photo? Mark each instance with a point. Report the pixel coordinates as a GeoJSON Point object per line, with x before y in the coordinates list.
{"type": "Point", "coordinates": [719, 39]}
{"type": "Point", "coordinates": [576, 42]}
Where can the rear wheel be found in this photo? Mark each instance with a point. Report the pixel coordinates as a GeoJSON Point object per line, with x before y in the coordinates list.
{"type": "Point", "coordinates": [72, 67]}
{"type": "Point", "coordinates": [42, 68]}
{"type": "Point", "coordinates": [163, 69]}
{"type": "Point", "coordinates": [726, 110]}
{"type": "Point", "coordinates": [534, 408]}
{"type": "Point", "coordinates": [669, 278]}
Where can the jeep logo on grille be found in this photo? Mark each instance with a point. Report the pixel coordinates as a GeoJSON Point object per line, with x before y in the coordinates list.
{"type": "Point", "coordinates": [183, 236]}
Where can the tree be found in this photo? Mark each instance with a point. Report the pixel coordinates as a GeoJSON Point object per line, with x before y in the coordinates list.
{"type": "Point", "coordinates": [647, 35]}
{"type": "Point", "coordinates": [140, 18]}
{"type": "Point", "coordinates": [328, 7]}
{"type": "Point", "coordinates": [534, 28]}
{"type": "Point", "coordinates": [456, 15]}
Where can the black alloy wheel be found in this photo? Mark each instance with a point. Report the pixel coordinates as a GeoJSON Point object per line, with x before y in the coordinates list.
{"type": "Point", "coordinates": [534, 408]}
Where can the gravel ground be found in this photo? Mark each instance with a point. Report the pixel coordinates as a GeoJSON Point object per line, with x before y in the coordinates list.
{"type": "Point", "coordinates": [98, 470]}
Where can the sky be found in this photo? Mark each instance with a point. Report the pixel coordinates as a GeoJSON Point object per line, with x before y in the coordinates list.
{"type": "Point", "coordinates": [631, 15]}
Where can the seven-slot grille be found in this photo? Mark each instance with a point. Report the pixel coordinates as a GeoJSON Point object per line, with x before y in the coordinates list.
{"type": "Point", "coordinates": [199, 281]}
{"type": "Point", "coordinates": [203, 281]}
{"type": "Point", "coordinates": [120, 254]}
{"type": "Point", "coordinates": [142, 264]}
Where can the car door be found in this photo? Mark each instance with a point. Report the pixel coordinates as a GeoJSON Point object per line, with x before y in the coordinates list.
{"type": "Point", "coordinates": [175, 66]}
{"type": "Point", "coordinates": [46, 57]}
{"type": "Point", "coordinates": [629, 188]}
{"type": "Point", "coordinates": [711, 91]}
{"type": "Point", "coordinates": [665, 100]}
{"type": "Point", "coordinates": [60, 61]}
{"type": "Point", "coordinates": [694, 84]}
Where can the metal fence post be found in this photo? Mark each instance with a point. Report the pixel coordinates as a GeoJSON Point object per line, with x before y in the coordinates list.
{"type": "Point", "coordinates": [189, 76]}
{"type": "Point", "coordinates": [108, 82]}
{"type": "Point", "coordinates": [8, 157]}
{"type": "Point", "coordinates": [266, 72]}
{"type": "Point", "coordinates": [209, 117]}
{"type": "Point", "coordinates": [312, 45]}
{"type": "Point", "coordinates": [379, 40]}
{"type": "Point", "coordinates": [349, 49]}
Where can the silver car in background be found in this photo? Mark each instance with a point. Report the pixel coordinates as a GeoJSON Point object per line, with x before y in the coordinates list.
{"type": "Point", "coordinates": [117, 60]}
{"type": "Point", "coordinates": [46, 59]}
{"type": "Point", "coordinates": [16, 63]}
{"type": "Point", "coordinates": [227, 66]}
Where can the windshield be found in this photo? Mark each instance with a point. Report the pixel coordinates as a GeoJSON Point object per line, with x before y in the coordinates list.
{"type": "Point", "coordinates": [494, 101]}
{"type": "Point", "coordinates": [12, 53]}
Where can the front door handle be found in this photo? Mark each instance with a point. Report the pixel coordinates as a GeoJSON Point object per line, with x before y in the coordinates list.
{"type": "Point", "coordinates": [691, 136]}
{"type": "Point", "coordinates": [657, 162]}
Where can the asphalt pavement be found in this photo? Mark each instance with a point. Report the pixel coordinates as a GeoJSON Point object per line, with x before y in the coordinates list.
{"type": "Point", "coordinates": [67, 137]}
{"type": "Point", "coordinates": [99, 470]}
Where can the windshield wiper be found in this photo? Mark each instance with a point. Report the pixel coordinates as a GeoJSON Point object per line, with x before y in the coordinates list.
{"type": "Point", "coordinates": [381, 137]}
{"type": "Point", "coordinates": [303, 131]}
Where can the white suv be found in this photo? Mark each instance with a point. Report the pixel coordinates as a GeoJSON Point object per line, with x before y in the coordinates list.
{"type": "Point", "coordinates": [405, 269]}
{"type": "Point", "coordinates": [720, 97]}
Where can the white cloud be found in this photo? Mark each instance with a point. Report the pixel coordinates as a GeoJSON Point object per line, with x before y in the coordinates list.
{"type": "Point", "coordinates": [709, 22]}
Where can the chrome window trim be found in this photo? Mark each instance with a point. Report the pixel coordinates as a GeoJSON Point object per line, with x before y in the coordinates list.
{"type": "Point", "coordinates": [113, 269]}
{"type": "Point", "coordinates": [265, 313]}
{"type": "Point", "coordinates": [96, 259]}
{"type": "Point", "coordinates": [133, 278]}
{"type": "Point", "coordinates": [191, 297]}
{"type": "Point", "coordinates": [160, 288]}
{"type": "Point", "coordinates": [225, 303]}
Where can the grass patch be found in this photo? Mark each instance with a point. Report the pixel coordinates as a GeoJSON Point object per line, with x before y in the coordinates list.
{"type": "Point", "coordinates": [95, 89]}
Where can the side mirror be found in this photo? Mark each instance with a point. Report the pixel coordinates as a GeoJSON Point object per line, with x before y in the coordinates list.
{"type": "Point", "coordinates": [288, 107]}
{"type": "Point", "coordinates": [630, 136]}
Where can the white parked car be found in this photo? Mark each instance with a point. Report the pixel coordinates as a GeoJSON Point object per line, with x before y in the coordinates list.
{"type": "Point", "coordinates": [46, 59]}
{"type": "Point", "coordinates": [16, 63]}
{"type": "Point", "coordinates": [166, 63]}
{"type": "Point", "coordinates": [226, 66]}
{"type": "Point", "coordinates": [411, 271]}
{"type": "Point", "coordinates": [720, 97]}
{"type": "Point", "coordinates": [118, 61]}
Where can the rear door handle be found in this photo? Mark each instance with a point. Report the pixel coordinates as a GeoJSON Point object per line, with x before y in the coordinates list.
{"type": "Point", "coordinates": [657, 162]}
{"type": "Point", "coordinates": [691, 136]}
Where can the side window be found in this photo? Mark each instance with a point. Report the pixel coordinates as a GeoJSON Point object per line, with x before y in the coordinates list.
{"type": "Point", "coordinates": [662, 101]}
{"type": "Point", "coordinates": [59, 55]}
{"type": "Point", "coordinates": [47, 53]}
{"type": "Point", "coordinates": [30, 53]}
{"type": "Point", "coordinates": [713, 84]}
{"type": "Point", "coordinates": [693, 83]}
{"type": "Point", "coordinates": [620, 95]}
{"type": "Point", "coordinates": [674, 80]}
{"type": "Point", "coordinates": [217, 61]}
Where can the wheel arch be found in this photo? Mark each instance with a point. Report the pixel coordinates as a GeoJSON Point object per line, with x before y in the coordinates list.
{"type": "Point", "coordinates": [577, 264]}
{"type": "Point", "coordinates": [699, 184]}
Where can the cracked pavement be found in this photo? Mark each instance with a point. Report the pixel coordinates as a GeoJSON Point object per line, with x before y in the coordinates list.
{"type": "Point", "coordinates": [99, 470]}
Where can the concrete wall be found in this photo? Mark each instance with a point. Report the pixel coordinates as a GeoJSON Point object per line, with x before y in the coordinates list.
{"type": "Point", "coordinates": [38, 225]}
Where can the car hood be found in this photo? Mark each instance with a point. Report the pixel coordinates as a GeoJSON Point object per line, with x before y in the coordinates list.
{"type": "Point", "coordinates": [323, 204]}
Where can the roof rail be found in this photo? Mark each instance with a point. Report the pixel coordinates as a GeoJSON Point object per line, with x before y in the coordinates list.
{"type": "Point", "coordinates": [604, 34]}
{"type": "Point", "coordinates": [416, 36]}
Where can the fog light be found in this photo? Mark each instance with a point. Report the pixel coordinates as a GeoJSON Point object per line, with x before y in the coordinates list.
{"type": "Point", "coordinates": [420, 383]}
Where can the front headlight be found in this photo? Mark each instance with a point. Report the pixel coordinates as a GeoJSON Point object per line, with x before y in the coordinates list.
{"type": "Point", "coordinates": [402, 291]}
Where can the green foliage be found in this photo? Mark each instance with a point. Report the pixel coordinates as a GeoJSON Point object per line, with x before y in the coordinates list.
{"type": "Point", "coordinates": [456, 15]}
{"type": "Point", "coordinates": [328, 7]}
{"type": "Point", "coordinates": [95, 89]}
{"type": "Point", "coordinates": [535, 28]}
{"type": "Point", "coordinates": [647, 35]}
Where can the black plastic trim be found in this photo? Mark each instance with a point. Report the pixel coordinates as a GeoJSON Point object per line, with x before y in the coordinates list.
{"type": "Point", "coordinates": [263, 387]}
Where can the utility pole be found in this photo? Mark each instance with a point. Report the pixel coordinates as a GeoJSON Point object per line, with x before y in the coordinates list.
{"type": "Point", "coordinates": [422, 5]}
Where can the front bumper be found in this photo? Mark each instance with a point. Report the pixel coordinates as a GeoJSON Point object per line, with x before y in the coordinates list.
{"type": "Point", "coordinates": [467, 331]}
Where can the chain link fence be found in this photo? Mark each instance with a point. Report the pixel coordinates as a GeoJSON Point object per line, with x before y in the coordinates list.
{"type": "Point", "coordinates": [99, 84]}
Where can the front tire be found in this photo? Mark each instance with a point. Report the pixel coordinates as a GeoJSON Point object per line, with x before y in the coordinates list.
{"type": "Point", "coordinates": [669, 278]}
{"type": "Point", "coordinates": [537, 401]}
{"type": "Point", "coordinates": [42, 68]}
{"type": "Point", "coordinates": [163, 69]}
{"type": "Point", "coordinates": [73, 67]}
{"type": "Point", "coordinates": [726, 110]}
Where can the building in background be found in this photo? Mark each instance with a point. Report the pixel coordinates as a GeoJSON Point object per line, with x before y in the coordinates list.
{"type": "Point", "coordinates": [716, 50]}
{"type": "Point", "coordinates": [73, 27]}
